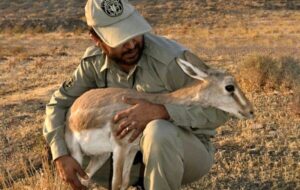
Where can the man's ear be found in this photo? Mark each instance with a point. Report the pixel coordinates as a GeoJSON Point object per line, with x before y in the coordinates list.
{"type": "Point", "coordinates": [96, 40]}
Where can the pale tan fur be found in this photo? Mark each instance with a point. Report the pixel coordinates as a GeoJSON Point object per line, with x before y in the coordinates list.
{"type": "Point", "coordinates": [96, 107]}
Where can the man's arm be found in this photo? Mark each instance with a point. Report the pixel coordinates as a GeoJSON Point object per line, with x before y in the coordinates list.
{"type": "Point", "coordinates": [82, 80]}
{"type": "Point", "coordinates": [56, 110]}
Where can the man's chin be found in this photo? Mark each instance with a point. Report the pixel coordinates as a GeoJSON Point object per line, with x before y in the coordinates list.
{"type": "Point", "coordinates": [132, 60]}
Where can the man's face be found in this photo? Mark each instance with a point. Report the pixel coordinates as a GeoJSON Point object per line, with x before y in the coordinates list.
{"type": "Point", "coordinates": [128, 53]}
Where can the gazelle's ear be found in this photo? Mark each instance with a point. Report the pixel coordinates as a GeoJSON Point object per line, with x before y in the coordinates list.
{"type": "Point", "coordinates": [195, 60]}
{"type": "Point", "coordinates": [191, 70]}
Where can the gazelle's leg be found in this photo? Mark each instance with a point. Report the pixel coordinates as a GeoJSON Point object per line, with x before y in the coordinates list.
{"type": "Point", "coordinates": [73, 146]}
{"type": "Point", "coordinates": [119, 154]}
{"type": "Point", "coordinates": [95, 163]}
{"type": "Point", "coordinates": [127, 168]}
{"type": "Point", "coordinates": [77, 155]}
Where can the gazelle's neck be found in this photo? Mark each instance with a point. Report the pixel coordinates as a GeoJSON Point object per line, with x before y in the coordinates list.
{"type": "Point", "coordinates": [187, 95]}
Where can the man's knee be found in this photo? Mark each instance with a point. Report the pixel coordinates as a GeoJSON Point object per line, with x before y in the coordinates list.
{"type": "Point", "coordinates": [160, 137]}
{"type": "Point", "coordinates": [159, 131]}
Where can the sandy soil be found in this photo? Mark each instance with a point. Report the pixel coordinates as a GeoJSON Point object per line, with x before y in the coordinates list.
{"type": "Point", "coordinates": [257, 154]}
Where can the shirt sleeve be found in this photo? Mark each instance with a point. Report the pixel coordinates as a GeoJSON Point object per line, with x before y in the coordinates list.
{"type": "Point", "coordinates": [82, 80]}
{"type": "Point", "coordinates": [194, 116]}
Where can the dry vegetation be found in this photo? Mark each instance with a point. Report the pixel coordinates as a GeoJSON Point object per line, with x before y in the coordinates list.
{"type": "Point", "coordinates": [258, 41]}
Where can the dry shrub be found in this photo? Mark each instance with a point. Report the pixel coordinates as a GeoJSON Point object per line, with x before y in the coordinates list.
{"type": "Point", "coordinates": [264, 73]}
{"type": "Point", "coordinates": [290, 73]}
{"type": "Point", "coordinates": [259, 73]}
{"type": "Point", "coordinates": [296, 102]}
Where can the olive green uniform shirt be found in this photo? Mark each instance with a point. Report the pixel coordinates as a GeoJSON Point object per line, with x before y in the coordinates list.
{"type": "Point", "coordinates": [156, 72]}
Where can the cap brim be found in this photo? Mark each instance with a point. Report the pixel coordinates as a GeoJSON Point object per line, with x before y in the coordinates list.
{"type": "Point", "coordinates": [120, 32]}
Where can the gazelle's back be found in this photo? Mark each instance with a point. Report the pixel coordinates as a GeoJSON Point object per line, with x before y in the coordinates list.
{"type": "Point", "coordinates": [96, 107]}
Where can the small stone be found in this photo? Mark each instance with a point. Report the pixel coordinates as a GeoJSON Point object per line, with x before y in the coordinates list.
{"type": "Point", "coordinates": [257, 126]}
{"type": "Point", "coordinates": [254, 151]}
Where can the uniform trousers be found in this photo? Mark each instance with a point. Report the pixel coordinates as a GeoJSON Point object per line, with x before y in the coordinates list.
{"type": "Point", "coordinates": [172, 156]}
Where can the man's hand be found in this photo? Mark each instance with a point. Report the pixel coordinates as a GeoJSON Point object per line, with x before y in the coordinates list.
{"type": "Point", "coordinates": [138, 116]}
{"type": "Point", "coordinates": [68, 168]}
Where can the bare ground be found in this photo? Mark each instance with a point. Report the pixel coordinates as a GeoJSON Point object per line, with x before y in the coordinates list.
{"type": "Point", "coordinates": [262, 153]}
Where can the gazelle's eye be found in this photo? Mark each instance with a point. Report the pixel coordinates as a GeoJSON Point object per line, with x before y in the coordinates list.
{"type": "Point", "coordinates": [229, 88]}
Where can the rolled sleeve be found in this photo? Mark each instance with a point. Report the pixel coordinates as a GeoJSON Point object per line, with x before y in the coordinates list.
{"type": "Point", "coordinates": [57, 144]}
{"type": "Point", "coordinates": [58, 149]}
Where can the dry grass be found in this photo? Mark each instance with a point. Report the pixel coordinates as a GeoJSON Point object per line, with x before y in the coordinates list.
{"type": "Point", "coordinates": [33, 177]}
{"type": "Point", "coordinates": [257, 42]}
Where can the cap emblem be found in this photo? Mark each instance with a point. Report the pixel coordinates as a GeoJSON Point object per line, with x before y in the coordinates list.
{"type": "Point", "coordinates": [112, 8]}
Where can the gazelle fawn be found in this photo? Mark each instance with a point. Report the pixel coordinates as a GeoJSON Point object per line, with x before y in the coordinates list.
{"type": "Point", "coordinates": [90, 130]}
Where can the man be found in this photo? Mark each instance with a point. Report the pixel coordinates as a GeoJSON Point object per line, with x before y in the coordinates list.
{"type": "Point", "coordinates": [175, 139]}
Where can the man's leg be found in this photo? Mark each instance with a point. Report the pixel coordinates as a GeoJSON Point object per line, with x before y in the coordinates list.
{"type": "Point", "coordinates": [172, 156]}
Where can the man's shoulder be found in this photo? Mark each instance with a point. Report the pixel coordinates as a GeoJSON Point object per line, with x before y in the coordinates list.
{"type": "Point", "coordinates": [91, 52]}
{"type": "Point", "coordinates": [161, 48]}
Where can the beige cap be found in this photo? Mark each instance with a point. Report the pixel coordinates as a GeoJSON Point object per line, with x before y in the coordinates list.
{"type": "Point", "coordinates": [115, 21]}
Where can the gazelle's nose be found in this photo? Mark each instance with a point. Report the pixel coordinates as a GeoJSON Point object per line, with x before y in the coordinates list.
{"type": "Point", "coordinates": [251, 114]}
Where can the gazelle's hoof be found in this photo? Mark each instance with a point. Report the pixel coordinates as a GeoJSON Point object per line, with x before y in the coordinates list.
{"type": "Point", "coordinates": [139, 185]}
{"type": "Point", "coordinates": [86, 182]}
{"type": "Point", "coordinates": [89, 184]}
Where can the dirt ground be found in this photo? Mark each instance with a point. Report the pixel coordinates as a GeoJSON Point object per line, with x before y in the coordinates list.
{"type": "Point", "coordinates": [41, 43]}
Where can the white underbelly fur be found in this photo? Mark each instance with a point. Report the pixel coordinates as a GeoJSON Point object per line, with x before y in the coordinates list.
{"type": "Point", "coordinates": [94, 141]}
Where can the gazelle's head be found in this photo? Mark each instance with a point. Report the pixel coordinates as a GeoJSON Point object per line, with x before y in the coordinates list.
{"type": "Point", "coordinates": [221, 90]}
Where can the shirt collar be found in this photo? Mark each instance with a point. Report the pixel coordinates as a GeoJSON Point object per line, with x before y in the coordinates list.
{"type": "Point", "coordinates": [110, 64]}
{"type": "Point", "coordinates": [106, 64]}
